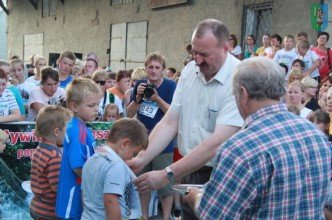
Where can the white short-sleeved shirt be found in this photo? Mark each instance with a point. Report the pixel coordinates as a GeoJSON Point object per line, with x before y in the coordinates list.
{"type": "Point", "coordinates": [305, 112]}
{"type": "Point", "coordinates": [237, 50]}
{"type": "Point", "coordinates": [32, 80]}
{"type": "Point", "coordinates": [37, 95]}
{"type": "Point", "coordinates": [103, 103]}
{"type": "Point", "coordinates": [285, 57]}
{"type": "Point", "coordinates": [309, 58]}
{"type": "Point", "coordinates": [7, 103]}
{"type": "Point", "coordinates": [203, 105]}
{"type": "Point", "coordinates": [25, 89]}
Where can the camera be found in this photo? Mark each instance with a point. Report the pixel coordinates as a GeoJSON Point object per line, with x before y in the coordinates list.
{"type": "Point", "coordinates": [148, 91]}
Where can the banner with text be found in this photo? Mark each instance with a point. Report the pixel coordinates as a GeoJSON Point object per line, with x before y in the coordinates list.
{"type": "Point", "coordinates": [22, 143]}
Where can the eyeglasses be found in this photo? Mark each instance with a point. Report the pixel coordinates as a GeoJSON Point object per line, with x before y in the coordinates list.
{"type": "Point", "coordinates": [312, 87]}
{"type": "Point", "coordinates": [100, 82]}
{"type": "Point", "coordinates": [230, 38]}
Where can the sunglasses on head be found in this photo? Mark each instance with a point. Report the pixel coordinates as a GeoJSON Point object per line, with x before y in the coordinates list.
{"type": "Point", "coordinates": [100, 82]}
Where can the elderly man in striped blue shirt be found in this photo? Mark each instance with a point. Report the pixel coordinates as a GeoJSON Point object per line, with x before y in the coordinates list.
{"type": "Point", "coordinates": [277, 167]}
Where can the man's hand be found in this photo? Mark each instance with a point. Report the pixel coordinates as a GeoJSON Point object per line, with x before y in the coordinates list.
{"type": "Point", "coordinates": [136, 164]}
{"type": "Point", "coordinates": [151, 181]}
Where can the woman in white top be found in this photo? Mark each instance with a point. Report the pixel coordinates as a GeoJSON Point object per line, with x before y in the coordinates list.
{"type": "Point", "coordinates": [40, 62]}
{"type": "Point", "coordinates": [235, 49]}
{"type": "Point", "coordinates": [295, 95]}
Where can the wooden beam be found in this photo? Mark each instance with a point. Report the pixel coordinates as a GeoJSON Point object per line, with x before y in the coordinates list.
{"type": "Point", "coordinates": [34, 3]}
{"type": "Point", "coordinates": [4, 8]}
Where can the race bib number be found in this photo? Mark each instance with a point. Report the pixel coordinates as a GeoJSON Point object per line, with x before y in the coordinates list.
{"type": "Point", "coordinates": [148, 109]}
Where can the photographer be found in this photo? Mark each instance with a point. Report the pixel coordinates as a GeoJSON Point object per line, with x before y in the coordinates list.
{"type": "Point", "coordinates": [151, 100]}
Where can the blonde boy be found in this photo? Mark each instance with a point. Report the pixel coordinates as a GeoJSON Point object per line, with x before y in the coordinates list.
{"type": "Point", "coordinates": [310, 59]}
{"type": "Point", "coordinates": [287, 54]}
{"type": "Point", "coordinates": [108, 191]}
{"type": "Point", "coordinates": [66, 63]}
{"type": "Point", "coordinates": [83, 96]}
{"type": "Point", "coordinates": [51, 126]}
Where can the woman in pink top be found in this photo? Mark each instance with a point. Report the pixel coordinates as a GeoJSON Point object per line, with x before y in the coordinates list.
{"type": "Point", "coordinates": [321, 50]}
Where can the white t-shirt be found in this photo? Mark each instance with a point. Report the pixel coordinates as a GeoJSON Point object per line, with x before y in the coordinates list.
{"type": "Point", "coordinates": [37, 95]}
{"type": "Point", "coordinates": [309, 58]}
{"type": "Point", "coordinates": [25, 89]}
{"type": "Point", "coordinates": [102, 105]}
{"type": "Point", "coordinates": [237, 50]}
{"type": "Point", "coordinates": [285, 57]}
{"type": "Point", "coordinates": [7, 103]}
{"type": "Point", "coordinates": [305, 112]}
{"type": "Point", "coordinates": [32, 80]}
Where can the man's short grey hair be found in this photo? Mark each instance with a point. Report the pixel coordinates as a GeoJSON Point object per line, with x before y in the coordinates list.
{"type": "Point", "coordinates": [219, 30]}
{"type": "Point", "coordinates": [262, 77]}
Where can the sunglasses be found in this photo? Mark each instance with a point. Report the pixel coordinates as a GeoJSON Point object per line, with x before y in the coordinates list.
{"type": "Point", "coordinates": [100, 82]}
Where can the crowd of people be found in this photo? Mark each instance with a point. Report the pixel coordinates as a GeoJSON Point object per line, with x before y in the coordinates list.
{"type": "Point", "coordinates": [252, 125]}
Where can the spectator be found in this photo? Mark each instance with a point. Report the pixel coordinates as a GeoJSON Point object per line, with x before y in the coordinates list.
{"type": "Point", "coordinates": [5, 66]}
{"type": "Point", "coordinates": [65, 63]}
{"type": "Point", "coordinates": [51, 126]}
{"type": "Point", "coordinates": [265, 171]}
{"type": "Point", "coordinates": [287, 54]}
{"type": "Point", "coordinates": [170, 73]}
{"type": "Point", "coordinates": [189, 58]}
{"type": "Point", "coordinates": [251, 47]}
{"type": "Point", "coordinates": [111, 113]}
{"type": "Point", "coordinates": [298, 64]}
{"type": "Point", "coordinates": [138, 74]}
{"type": "Point", "coordinates": [23, 86]}
{"type": "Point", "coordinates": [324, 54]}
{"type": "Point", "coordinates": [31, 66]}
{"type": "Point", "coordinates": [275, 46]}
{"type": "Point", "coordinates": [266, 44]}
{"type": "Point", "coordinates": [310, 59]}
{"type": "Point", "coordinates": [123, 83]}
{"type": "Point", "coordinates": [76, 72]}
{"type": "Point", "coordinates": [110, 81]}
{"type": "Point", "coordinates": [48, 93]}
{"type": "Point", "coordinates": [322, 120]}
{"type": "Point", "coordinates": [309, 99]}
{"type": "Point", "coordinates": [90, 66]}
{"type": "Point", "coordinates": [99, 77]}
{"type": "Point", "coordinates": [9, 110]}
{"type": "Point", "coordinates": [40, 62]}
{"type": "Point", "coordinates": [151, 100]}
{"type": "Point", "coordinates": [196, 109]}
{"type": "Point", "coordinates": [235, 49]}
{"type": "Point", "coordinates": [295, 94]}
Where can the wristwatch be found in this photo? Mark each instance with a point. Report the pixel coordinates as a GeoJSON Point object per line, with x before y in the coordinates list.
{"type": "Point", "coordinates": [170, 175]}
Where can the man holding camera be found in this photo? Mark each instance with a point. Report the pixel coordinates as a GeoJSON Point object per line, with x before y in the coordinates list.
{"type": "Point", "coordinates": [151, 100]}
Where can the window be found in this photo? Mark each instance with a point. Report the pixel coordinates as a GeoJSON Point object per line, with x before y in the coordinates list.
{"type": "Point", "coordinates": [49, 8]}
{"type": "Point", "coordinates": [120, 2]}
{"type": "Point", "coordinates": [257, 21]}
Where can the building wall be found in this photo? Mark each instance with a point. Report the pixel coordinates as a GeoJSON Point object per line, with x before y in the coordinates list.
{"type": "Point", "coordinates": [3, 48]}
{"type": "Point", "coordinates": [82, 26]}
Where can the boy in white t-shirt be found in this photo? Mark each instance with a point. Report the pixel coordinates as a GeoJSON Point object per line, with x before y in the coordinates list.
{"type": "Point", "coordinates": [107, 187]}
{"type": "Point", "coordinates": [23, 86]}
{"type": "Point", "coordinates": [287, 54]}
{"type": "Point", "coordinates": [310, 59]}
